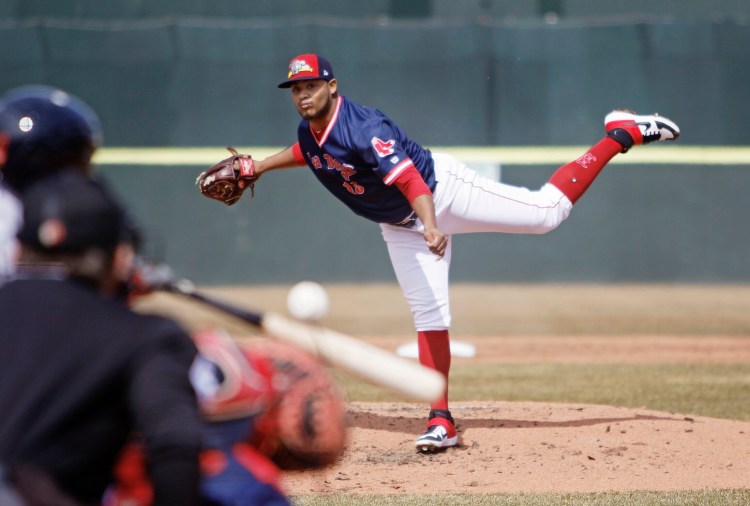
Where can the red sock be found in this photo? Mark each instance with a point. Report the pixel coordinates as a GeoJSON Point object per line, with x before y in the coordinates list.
{"type": "Point", "coordinates": [435, 353]}
{"type": "Point", "coordinates": [574, 178]}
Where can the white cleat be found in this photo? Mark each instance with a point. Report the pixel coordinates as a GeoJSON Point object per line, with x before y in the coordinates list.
{"type": "Point", "coordinates": [630, 129]}
{"type": "Point", "coordinates": [441, 433]}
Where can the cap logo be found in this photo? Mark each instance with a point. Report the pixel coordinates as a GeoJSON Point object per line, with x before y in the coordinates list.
{"type": "Point", "coordinates": [298, 66]}
{"type": "Point", "coordinates": [51, 233]}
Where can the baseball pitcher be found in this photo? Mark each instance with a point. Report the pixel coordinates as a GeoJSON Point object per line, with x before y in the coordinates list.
{"type": "Point", "coordinates": [420, 198]}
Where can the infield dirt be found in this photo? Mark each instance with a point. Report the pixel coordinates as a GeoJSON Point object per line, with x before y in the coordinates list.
{"type": "Point", "coordinates": [527, 446]}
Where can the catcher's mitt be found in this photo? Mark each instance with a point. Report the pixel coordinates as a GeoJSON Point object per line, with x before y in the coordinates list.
{"type": "Point", "coordinates": [306, 426]}
{"type": "Point", "coordinates": [228, 179]}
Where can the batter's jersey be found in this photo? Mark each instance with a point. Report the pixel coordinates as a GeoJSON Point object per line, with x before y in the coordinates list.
{"type": "Point", "coordinates": [78, 373]}
{"type": "Point", "coordinates": [359, 155]}
{"type": "Point", "coordinates": [11, 216]}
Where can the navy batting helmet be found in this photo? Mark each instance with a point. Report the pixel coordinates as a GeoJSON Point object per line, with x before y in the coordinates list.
{"type": "Point", "coordinates": [48, 130]}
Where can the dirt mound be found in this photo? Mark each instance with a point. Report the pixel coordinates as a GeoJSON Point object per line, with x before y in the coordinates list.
{"type": "Point", "coordinates": [535, 447]}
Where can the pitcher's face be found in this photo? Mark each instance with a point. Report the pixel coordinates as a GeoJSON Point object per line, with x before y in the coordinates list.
{"type": "Point", "coordinates": [314, 99]}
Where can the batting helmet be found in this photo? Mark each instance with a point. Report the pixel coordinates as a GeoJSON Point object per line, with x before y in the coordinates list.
{"type": "Point", "coordinates": [47, 129]}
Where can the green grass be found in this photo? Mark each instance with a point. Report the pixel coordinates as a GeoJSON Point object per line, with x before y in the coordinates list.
{"type": "Point", "coordinates": [715, 390]}
{"type": "Point", "coordinates": [689, 498]}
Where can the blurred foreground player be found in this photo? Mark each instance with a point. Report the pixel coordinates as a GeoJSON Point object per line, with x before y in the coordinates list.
{"type": "Point", "coordinates": [275, 409]}
{"type": "Point", "coordinates": [79, 371]}
{"type": "Point", "coordinates": [268, 407]}
{"type": "Point", "coordinates": [420, 198]}
{"type": "Point", "coordinates": [43, 130]}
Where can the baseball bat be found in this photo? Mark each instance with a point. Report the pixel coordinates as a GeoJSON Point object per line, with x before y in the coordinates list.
{"type": "Point", "coordinates": [359, 358]}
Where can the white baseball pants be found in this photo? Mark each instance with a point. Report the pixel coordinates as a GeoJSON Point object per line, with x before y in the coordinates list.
{"type": "Point", "coordinates": [465, 202]}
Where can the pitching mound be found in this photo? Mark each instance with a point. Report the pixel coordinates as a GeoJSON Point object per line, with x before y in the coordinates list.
{"type": "Point", "coordinates": [535, 447]}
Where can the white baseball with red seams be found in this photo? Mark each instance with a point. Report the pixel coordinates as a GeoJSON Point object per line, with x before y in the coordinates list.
{"type": "Point", "coordinates": [308, 301]}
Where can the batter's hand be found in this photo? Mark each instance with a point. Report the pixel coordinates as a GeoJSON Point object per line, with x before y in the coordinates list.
{"type": "Point", "coordinates": [436, 241]}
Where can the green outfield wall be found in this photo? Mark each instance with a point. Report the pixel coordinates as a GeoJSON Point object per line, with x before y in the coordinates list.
{"type": "Point", "coordinates": [183, 81]}
{"type": "Point", "coordinates": [491, 74]}
{"type": "Point", "coordinates": [376, 10]}
{"type": "Point", "coordinates": [645, 219]}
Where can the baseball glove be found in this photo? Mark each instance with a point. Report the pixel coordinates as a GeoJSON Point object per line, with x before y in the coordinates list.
{"type": "Point", "coordinates": [228, 179]}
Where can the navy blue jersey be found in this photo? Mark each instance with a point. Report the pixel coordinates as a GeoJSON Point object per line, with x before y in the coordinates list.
{"type": "Point", "coordinates": [359, 155]}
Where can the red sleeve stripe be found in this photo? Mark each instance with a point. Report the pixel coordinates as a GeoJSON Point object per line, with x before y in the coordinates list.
{"type": "Point", "coordinates": [298, 156]}
{"type": "Point", "coordinates": [397, 170]}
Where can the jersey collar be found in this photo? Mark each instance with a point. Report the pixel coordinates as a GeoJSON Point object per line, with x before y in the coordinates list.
{"type": "Point", "coordinates": [324, 136]}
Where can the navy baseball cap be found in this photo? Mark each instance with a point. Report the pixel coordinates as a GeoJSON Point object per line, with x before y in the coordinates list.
{"type": "Point", "coordinates": [71, 212]}
{"type": "Point", "coordinates": [306, 67]}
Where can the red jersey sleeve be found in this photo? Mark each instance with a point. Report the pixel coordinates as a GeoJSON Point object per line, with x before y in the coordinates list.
{"type": "Point", "coordinates": [411, 184]}
{"type": "Point", "coordinates": [298, 156]}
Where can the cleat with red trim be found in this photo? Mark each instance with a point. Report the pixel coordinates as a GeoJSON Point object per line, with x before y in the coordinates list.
{"type": "Point", "coordinates": [440, 434]}
{"type": "Point", "coordinates": [630, 129]}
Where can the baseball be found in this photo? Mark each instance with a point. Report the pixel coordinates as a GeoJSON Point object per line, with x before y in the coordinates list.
{"type": "Point", "coordinates": [308, 301]}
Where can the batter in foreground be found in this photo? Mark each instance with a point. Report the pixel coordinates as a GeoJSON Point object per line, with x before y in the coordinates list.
{"type": "Point", "coordinates": [421, 198]}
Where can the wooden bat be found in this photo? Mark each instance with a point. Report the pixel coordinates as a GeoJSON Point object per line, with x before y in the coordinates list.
{"type": "Point", "coordinates": [360, 358]}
